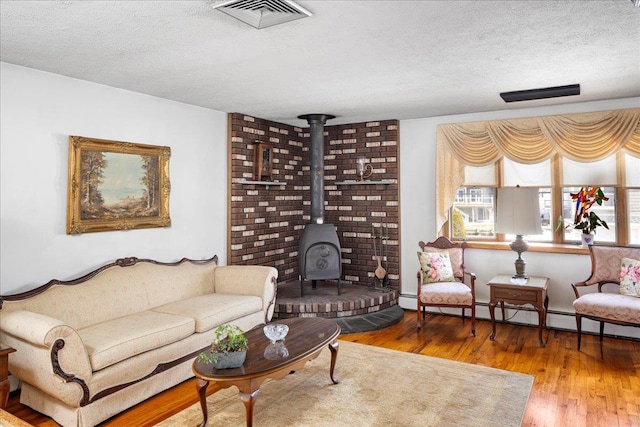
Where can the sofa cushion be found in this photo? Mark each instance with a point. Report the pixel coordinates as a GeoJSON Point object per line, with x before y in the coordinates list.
{"type": "Point", "coordinates": [114, 340]}
{"type": "Point", "coordinates": [212, 310]}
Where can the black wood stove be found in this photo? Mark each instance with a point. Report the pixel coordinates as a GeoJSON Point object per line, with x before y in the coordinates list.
{"type": "Point", "coordinates": [319, 255]}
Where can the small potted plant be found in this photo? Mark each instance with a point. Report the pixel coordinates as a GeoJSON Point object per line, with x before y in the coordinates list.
{"type": "Point", "coordinates": [585, 220]}
{"type": "Point", "coordinates": [228, 349]}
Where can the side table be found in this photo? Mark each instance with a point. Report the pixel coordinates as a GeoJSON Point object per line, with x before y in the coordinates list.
{"type": "Point", "coordinates": [5, 384]}
{"type": "Point", "coordinates": [533, 291]}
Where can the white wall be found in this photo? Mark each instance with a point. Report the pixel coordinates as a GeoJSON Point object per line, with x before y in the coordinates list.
{"type": "Point", "coordinates": [38, 112]}
{"type": "Point", "coordinates": [417, 198]}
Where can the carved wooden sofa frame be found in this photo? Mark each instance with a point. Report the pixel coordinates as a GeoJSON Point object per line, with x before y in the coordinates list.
{"type": "Point", "coordinates": [163, 374]}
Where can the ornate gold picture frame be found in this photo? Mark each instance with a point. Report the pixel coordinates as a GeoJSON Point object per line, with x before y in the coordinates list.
{"type": "Point", "coordinates": [116, 185]}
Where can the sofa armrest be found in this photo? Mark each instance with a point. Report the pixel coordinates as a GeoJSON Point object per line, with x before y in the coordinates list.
{"type": "Point", "coordinates": [50, 355]}
{"type": "Point", "coordinates": [36, 329]}
{"type": "Point", "coordinates": [255, 280]}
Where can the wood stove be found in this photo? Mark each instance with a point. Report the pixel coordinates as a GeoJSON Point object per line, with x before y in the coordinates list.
{"type": "Point", "coordinates": [319, 255]}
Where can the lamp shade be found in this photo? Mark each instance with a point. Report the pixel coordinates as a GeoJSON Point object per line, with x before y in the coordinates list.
{"type": "Point", "coordinates": [518, 211]}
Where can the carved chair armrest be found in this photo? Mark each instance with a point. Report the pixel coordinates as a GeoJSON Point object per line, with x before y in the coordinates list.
{"type": "Point", "coordinates": [574, 286]}
{"type": "Point", "coordinates": [472, 280]}
{"type": "Point", "coordinates": [600, 285]}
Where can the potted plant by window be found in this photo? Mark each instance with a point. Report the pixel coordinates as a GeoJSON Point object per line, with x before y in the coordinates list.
{"type": "Point", "coordinates": [585, 220]}
{"type": "Point", "coordinates": [228, 349]}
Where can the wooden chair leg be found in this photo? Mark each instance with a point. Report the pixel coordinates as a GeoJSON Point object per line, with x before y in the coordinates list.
{"type": "Point", "coordinates": [473, 320]}
{"type": "Point", "coordinates": [418, 317]}
{"type": "Point", "coordinates": [463, 315]}
{"type": "Point", "coordinates": [579, 329]}
{"type": "Point", "coordinates": [601, 331]}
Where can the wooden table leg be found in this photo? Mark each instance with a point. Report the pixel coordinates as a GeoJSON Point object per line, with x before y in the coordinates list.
{"type": "Point", "coordinates": [5, 384]}
{"type": "Point", "coordinates": [333, 347]}
{"type": "Point", "coordinates": [201, 386]}
{"type": "Point", "coordinates": [249, 399]}
{"type": "Point", "coordinates": [546, 310]}
{"type": "Point", "coordinates": [492, 313]}
{"type": "Point", "coordinates": [542, 322]}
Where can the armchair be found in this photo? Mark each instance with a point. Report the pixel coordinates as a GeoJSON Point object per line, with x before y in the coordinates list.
{"type": "Point", "coordinates": [441, 279]}
{"type": "Point", "coordinates": [602, 299]}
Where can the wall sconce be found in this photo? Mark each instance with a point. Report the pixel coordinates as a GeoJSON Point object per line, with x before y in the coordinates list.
{"type": "Point", "coordinates": [364, 170]}
{"type": "Point", "coordinates": [518, 212]}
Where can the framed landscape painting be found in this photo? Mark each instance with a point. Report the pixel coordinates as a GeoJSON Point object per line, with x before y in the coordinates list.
{"type": "Point", "coordinates": [116, 185]}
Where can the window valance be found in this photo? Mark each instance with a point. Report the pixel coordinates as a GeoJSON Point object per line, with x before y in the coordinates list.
{"type": "Point", "coordinates": [584, 137]}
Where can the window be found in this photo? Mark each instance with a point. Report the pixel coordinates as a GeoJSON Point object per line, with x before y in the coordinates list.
{"type": "Point", "coordinates": [473, 208]}
{"type": "Point", "coordinates": [546, 221]}
{"type": "Point", "coordinates": [633, 216]}
{"type": "Point", "coordinates": [557, 154]}
{"type": "Point", "coordinates": [473, 213]}
{"type": "Point", "coordinates": [606, 212]}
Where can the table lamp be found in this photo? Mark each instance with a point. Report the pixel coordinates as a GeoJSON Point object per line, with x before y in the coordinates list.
{"type": "Point", "coordinates": [518, 212]}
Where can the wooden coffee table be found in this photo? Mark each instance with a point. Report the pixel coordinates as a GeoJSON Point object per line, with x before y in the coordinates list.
{"type": "Point", "coordinates": [304, 342]}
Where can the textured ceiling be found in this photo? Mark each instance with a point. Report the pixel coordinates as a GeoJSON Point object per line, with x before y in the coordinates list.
{"type": "Point", "coordinates": [358, 60]}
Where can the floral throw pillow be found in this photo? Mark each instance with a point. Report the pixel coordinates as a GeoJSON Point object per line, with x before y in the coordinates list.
{"type": "Point", "coordinates": [436, 267]}
{"type": "Point", "coordinates": [630, 277]}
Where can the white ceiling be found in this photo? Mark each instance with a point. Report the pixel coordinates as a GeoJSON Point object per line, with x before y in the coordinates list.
{"type": "Point", "coordinates": [358, 60]}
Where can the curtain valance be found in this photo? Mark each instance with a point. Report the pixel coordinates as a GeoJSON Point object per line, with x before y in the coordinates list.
{"type": "Point", "coordinates": [585, 137]}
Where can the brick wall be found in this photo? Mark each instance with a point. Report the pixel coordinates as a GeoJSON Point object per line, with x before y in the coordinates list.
{"type": "Point", "coordinates": [267, 221]}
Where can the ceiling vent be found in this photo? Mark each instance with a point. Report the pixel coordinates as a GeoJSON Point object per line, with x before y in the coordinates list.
{"type": "Point", "coordinates": [263, 13]}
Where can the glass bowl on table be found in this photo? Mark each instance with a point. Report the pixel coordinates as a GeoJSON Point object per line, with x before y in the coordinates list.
{"type": "Point", "coordinates": [275, 332]}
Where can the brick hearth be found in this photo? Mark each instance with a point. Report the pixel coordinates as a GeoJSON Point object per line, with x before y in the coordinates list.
{"type": "Point", "coordinates": [324, 301]}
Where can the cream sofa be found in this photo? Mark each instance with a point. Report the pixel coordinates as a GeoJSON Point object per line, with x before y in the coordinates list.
{"type": "Point", "coordinates": [89, 348]}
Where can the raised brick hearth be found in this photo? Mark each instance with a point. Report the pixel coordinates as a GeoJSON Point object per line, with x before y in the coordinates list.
{"type": "Point", "coordinates": [323, 301]}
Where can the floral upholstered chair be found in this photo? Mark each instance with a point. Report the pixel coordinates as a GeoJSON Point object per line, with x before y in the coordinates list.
{"type": "Point", "coordinates": [441, 279]}
{"type": "Point", "coordinates": [612, 293]}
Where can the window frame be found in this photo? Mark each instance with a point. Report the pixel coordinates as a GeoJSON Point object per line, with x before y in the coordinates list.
{"type": "Point", "coordinates": [622, 225]}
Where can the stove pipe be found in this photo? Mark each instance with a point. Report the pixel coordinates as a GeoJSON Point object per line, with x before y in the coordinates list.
{"type": "Point", "coordinates": [316, 151]}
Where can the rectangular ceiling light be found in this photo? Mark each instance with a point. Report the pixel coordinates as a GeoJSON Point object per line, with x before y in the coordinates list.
{"type": "Point", "coordinates": [547, 92]}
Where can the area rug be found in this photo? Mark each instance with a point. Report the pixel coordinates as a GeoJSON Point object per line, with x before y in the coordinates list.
{"type": "Point", "coordinates": [378, 387]}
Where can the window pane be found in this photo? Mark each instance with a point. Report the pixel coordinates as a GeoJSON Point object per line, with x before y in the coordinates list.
{"type": "Point", "coordinates": [632, 165]}
{"type": "Point", "coordinates": [545, 220]}
{"type": "Point", "coordinates": [525, 175]}
{"type": "Point", "coordinates": [480, 175]}
{"type": "Point", "coordinates": [606, 212]}
{"type": "Point", "coordinates": [545, 217]}
{"type": "Point", "coordinates": [633, 200]}
{"type": "Point", "coordinates": [473, 213]}
{"type": "Point", "coordinates": [602, 172]}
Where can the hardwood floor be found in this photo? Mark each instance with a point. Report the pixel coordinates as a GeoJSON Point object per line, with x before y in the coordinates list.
{"type": "Point", "coordinates": [597, 386]}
